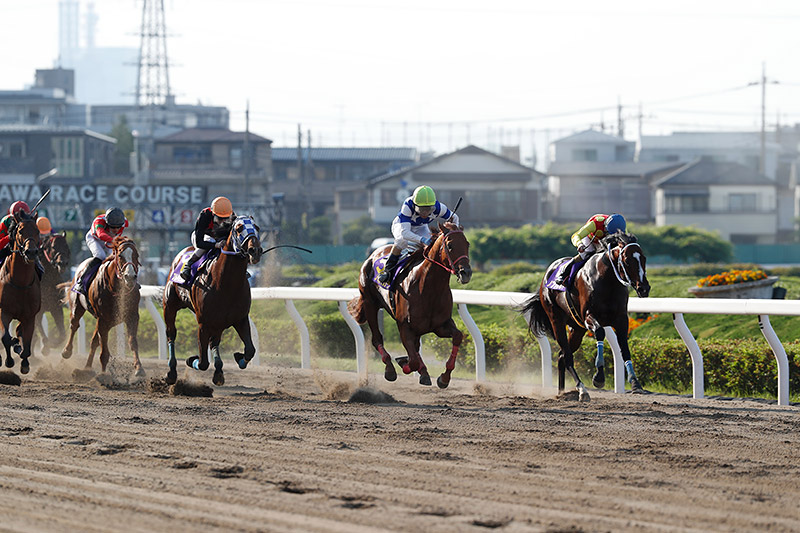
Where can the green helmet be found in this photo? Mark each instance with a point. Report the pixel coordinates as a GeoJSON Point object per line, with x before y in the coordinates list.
{"type": "Point", "coordinates": [424, 196]}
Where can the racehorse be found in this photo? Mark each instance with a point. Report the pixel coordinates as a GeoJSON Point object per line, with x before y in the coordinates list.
{"type": "Point", "coordinates": [422, 302]}
{"type": "Point", "coordinates": [219, 297]}
{"type": "Point", "coordinates": [55, 257]}
{"type": "Point", "coordinates": [113, 298]}
{"type": "Point", "coordinates": [20, 291]}
{"type": "Point", "coordinates": [598, 297]}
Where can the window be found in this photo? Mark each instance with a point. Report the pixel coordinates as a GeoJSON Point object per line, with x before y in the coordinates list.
{"type": "Point", "coordinates": [389, 197]}
{"type": "Point", "coordinates": [742, 202]}
{"type": "Point", "coordinates": [67, 155]}
{"type": "Point", "coordinates": [353, 199]}
{"type": "Point", "coordinates": [686, 204]}
{"type": "Point", "coordinates": [584, 155]}
{"type": "Point", "coordinates": [236, 157]}
{"type": "Point", "coordinates": [191, 154]}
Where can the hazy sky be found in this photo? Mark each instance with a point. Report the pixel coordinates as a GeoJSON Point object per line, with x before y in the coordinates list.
{"type": "Point", "coordinates": [434, 73]}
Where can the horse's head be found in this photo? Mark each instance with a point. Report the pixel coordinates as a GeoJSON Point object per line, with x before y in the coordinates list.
{"type": "Point", "coordinates": [56, 251]}
{"type": "Point", "coordinates": [629, 261]}
{"type": "Point", "coordinates": [126, 259]}
{"type": "Point", "coordinates": [455, 251]}
{"type": "Point", "coordinates": [26, 239]}
{"type": "Point", "coordinates": [244, 239]}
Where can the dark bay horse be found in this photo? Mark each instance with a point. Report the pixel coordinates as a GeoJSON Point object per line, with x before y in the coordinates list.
{"type": "Point", "coordinates": [219, 297]}
{"type": "Point", "coordinates": [600, 297]}
{"type": "Point", "coordinates": [20, 291]}
{"type": "Point", "coordinates": [113, 298]}
{"type": "Point", "coordinates": [423, 302]}
{"type": "Point", "coordinates": [55, 257]}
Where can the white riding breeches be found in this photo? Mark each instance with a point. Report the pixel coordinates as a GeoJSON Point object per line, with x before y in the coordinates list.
{"type": "Point", "coordinates": [97, 246]}
{"type": "Point", "coordinates": [589, 247]}
{"type": "Point", "coordinates": [408, 236]}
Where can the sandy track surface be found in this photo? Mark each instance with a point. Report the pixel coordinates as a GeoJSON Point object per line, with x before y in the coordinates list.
{"type": "Point", "coordinates": [283, 450]}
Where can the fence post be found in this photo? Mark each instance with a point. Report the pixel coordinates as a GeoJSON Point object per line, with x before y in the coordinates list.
{"type": "Point", "coordinates": [780, 356]}
{"type": "Point", "coordinates": [305, 339]}
{"type": "Point", "coordinates": [698, 379]}
{"type": "Point", "coordinates": [477, 339]}
{"type": "Point", "coordinates": [361, 358]}
{"type": "Point", "coordinates": [619, 364]}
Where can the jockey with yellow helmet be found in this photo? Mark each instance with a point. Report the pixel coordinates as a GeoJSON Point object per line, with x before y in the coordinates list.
{"type": "Point", "coordinates": [585, 239]}
{"type": "Point", "coordinates": [211, 230]}
{"type": "Point", "coordinates": [410, 226]}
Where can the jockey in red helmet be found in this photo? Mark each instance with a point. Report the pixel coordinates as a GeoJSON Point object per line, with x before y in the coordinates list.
{"type": "Point", "coordinates": [585, 239]}
{"type": "Point", "coordinates": [16, 213]}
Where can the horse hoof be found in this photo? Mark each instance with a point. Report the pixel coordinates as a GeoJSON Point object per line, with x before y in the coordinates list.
{"type": "Point", "coordinates": [218, 379]}
{"type": "Point", "coordinates": [442, 383]}
{"type": "Point", "coordinates": [636, 387]}
{"type": "Point", "coordinates": [9, 362]}
{"type": "Point", "coordinates": [240, 360]}
{"type": "Point", "coordinates": [406, 369]}
{"type": "Point", "coordinates": [599, 379]}
{"type": "Point", "coordinates": [425, 380]}
{"type": "Point", "coordinates": [25, 367]}
{"type": "Point", "coordinates": [390, 374]}
{"type": "Point", "coordinates": [583, 396]}
{"type": "Point", "coordinates": [139, 373]}
{"type": "Point", "coordinates": [17, 348]}
{"type": "Point", "coordinates": [196, 363]}
{"type": "Point", "coordinates": [172, 377]}
{"type": "Point", "coordinates": [402, 361]}
{"type": "Point", "coordinates": [190, 360]}
{"type": "Point", "coordinates": [66, 355]}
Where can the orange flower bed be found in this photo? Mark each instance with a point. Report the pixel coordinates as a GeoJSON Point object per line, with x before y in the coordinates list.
{"type": "Point", "coordinates": [731, 277]}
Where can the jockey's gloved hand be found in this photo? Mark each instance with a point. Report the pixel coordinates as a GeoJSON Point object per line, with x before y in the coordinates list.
{"type": "Point", "coordinates": [219, 244]}
{"type": "Point", "coordinates": [427, 241]}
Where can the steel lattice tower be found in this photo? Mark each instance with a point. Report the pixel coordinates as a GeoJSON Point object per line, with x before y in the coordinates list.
{"type": "Point", "coordinates": [152, 80]}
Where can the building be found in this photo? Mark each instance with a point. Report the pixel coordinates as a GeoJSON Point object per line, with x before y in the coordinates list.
{"type": "Point", "coordinates": [727, 197]}
{"type": "Point", "coordinates": [495, 190]}
{"type": "Point", "coordinates": [593, 172]}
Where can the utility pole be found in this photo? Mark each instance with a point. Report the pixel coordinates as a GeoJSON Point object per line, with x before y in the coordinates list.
{"type": "Point", "coordinates": [620, 121]}
{"type": "Point", "coordinates": [246, 154]}
{"type": "Point", "coordinates": [762, 163]}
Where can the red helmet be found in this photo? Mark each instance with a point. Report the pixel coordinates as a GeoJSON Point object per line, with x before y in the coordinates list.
{"type": "Point", "coordinates": [18, 206]}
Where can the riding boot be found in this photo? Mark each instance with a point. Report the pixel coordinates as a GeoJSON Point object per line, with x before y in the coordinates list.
{"type": "Point", "coordinates": [562, 276]}
{"type": "Point", "coordinates": [186, 273]}
{"type": "Point", "coordinates": [388, 269]}
{"type": "Point", "coordinates": [5, 252]}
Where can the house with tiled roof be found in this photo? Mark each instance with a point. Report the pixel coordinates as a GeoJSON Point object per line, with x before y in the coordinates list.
{"type": "Point", "coordinates": [727, 197]}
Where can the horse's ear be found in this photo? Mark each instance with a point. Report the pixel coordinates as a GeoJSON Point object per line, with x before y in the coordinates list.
{"type": "Point", "coordinates": [63, 234]}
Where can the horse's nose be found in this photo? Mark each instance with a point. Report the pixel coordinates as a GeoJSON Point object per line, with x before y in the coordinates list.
{"type": "Point", "coordinates": [464, 275]}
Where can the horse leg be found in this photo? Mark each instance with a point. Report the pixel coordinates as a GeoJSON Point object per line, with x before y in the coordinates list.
{"type": "Point", "coordinates": [39, 330]}
{"type": "Point", "coordinates": [566, 361]}
{"type": "Point", "coordinates": [170, 311]}
{"type": "Point", "coordinates": [8, 342]}
{"type": "Point", "coordinates": [449, 330]}
{"type": "Point", "coordinates": [93, 346]}
{"type": "Point", "coordinates": [219, 377]}
{"type": "Point", "coordinates": [26, 328]}
{"type": "Point", "coordinates": [76, 313]}
{"type": "Point", "coordinates": [132, 327]}
{"type": "Point", "coordinates": [621, 330]}
{"type": "Point", "coordinates": [200, 362]}
{"type": "Point", "coordinates": [415, 363]}
{"type": "Point", "coordinates": [58, 319]}
{"type": "Point", "coordinates": [243, 329]}
{"type": "Point", "coordinates": [371, 312]}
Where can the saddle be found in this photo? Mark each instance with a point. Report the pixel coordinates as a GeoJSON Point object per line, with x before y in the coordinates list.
{"type": "Point", "coordinates": [197, 266]}
{"type": "Point", "coordinates": [552, 285]}
{"type": "Point", "coordinates": [407, 261]}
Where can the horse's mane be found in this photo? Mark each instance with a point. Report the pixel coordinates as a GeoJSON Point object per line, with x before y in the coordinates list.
{"type": "Point", "coordinates": [449, 226]}
{"type": "Point", "coordinates": [617, 239]}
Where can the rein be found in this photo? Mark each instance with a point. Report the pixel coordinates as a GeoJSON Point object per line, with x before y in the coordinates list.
{"type": "Point", "coordinates": [451, 268]}
{"type": "Point", "coordinates": [616, 267]}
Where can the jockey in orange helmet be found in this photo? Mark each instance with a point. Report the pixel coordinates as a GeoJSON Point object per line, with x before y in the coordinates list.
{"type": "Point", "coordinates": [585, 239]}
{"type": "Point", "coordinates": [211, 230]}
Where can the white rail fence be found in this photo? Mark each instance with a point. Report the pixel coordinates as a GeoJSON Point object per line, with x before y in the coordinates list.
{"type": "Point", "coordinates": [462, 298]}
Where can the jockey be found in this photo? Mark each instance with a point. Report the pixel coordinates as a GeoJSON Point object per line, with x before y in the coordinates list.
{"type": "Point", "coordinates": [410, 226]}
{"type": "Point", "coordinates": [45, 229]}
{"type": "Point", "coordinates": [99, 238]}
{"type": "Point", "coordinates": [585, 239]}
{"type": "Point", "coordinates": [16, 212]}
{"type": "Point", "coordinates": [211, 230]}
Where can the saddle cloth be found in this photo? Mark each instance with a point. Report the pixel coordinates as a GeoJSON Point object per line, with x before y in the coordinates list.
{"type": "Point", "coordinates": [175, 275]}
{"type": "Point", "coordinates": [551, 279]}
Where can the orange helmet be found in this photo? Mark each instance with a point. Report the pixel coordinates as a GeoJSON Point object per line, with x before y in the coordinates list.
{"type": "Point", "coordinates": [221, 207]}
{"type": "Point", "coordinates": [43, 223]}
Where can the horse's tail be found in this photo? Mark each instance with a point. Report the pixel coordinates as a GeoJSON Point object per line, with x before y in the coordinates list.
{"type": "Point", "coordinates": [63, 289]}
{"type": "Point", "coordinates": [538, 321]}
{"type": "Point", "coordinates": [356, 309]}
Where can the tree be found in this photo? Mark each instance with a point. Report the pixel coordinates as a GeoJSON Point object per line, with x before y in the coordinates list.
{"type": "Point", "coordinates": [122, 151]}
{"type": "Point", "coordinates": [363, 231]}
{"type": "Point", "coordinates": [319, 230]}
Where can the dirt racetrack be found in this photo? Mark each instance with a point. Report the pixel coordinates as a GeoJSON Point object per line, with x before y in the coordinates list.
{"type": "Point", "coordinates": [281, 449]}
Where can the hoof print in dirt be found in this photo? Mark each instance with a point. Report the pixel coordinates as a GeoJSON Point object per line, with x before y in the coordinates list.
{"type": "Point", "coordinates": [369, 395]}
{"type": "Point", "coordinates": [569, 396]}
{"type": "Point", "coordinates": [82, 375]}
{"type": "Point", "coordinates": [9, 378]}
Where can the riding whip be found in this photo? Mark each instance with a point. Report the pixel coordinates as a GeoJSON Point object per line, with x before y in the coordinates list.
{"type": "Point", "coordinates": [263, 251]}
{"type": "Point", "coordinates": [33, 209]}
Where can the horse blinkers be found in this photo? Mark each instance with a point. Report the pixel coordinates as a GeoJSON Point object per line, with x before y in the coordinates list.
{"type": "Point", "coordinates": [247, 241]}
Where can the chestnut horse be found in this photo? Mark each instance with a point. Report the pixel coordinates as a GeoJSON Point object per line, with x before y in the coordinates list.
{"type": "Point", "coordinates": [55, 257]}
{"type": "Point", "coordinates": [113, 298]}
{"type": "Point", "coordinates": [423, 302]}
{"type": "Point", "coordinates": [600, 298]}
{"type": "Point", "coordinates": [219, 297]}
{"type": "Point", "coordinates": [20, 291]}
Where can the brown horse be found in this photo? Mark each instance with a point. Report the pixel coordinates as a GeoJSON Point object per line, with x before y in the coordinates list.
{"type": "Point", "coordinates": [423, 302]}
{"type": "Point", "coordinates": [20, 291]}
{"type": "Point", "coordinates": [55, 257]}
{"type": "Point", "coordinates": [113, 298]}
{"type": "Point", "coordinates": [600, 298]}
{"type": "Point", "coordinates": [219, 297]}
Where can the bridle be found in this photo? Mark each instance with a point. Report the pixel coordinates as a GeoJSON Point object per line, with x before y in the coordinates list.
{"type": "Point", "coordinates": [19, 247]}
{"type": "Point", "coordinates": [48, 250]}
{"type": "Point", "coordinates": [619, 265]}
{"type": "Point", "coordinates": [119, 257]}
{"type": "Point", "coordinates": [453, 263]}
{"type": "Point", "coordinates": [240, 238]}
